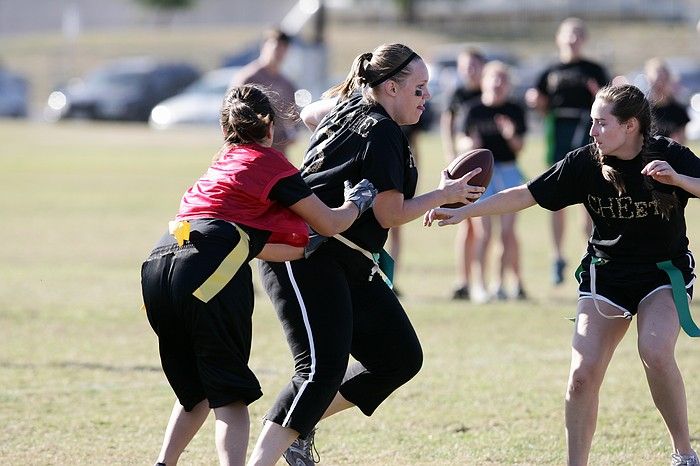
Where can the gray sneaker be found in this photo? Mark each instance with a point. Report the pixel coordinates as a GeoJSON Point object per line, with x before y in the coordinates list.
{"type": "Point", "coordinates": [302, 451]}
{"type": "Point", "coordinates": [690, 459]}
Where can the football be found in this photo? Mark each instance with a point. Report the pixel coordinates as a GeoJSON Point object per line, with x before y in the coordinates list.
{"type": "Point", "coordinates": [464, 163]}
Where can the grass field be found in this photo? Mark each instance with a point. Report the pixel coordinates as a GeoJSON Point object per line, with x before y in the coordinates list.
{"type": "Point", "coordinates": [80, 381]}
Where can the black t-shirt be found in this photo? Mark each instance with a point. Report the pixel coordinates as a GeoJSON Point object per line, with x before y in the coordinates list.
{"type": "Point", "coordinates": [460, 97]}
{"type": "Point", "coordinates": [353, 141]}
{"type": "Point", "coordinates": [565, 84]}
{"type": "Point", "coordinates": [459, 103]}
{"type": "Point", "coordinates": [630, 223]}
{"type": "Point", "coordinates": [481, 120]}
{"type": "Point", "coordinates": [669, 117]}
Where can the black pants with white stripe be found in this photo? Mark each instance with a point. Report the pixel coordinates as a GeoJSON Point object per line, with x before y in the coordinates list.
{"type": "Point", "coordinates": [329, 310]}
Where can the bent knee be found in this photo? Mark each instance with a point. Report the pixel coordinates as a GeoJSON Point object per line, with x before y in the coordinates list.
{"type": "Point", "coordinates": [410, 364]}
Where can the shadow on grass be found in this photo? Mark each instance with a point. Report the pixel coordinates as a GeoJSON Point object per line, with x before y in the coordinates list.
{"type": "Point", "coordinates": [79, 365]}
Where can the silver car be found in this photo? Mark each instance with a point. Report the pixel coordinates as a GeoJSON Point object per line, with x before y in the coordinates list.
{"type": "Point", "coordinates": [198, 104]}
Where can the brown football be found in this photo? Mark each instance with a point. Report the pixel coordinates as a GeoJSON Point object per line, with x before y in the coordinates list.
{"type": "Point", "coordinates": [464, 163]}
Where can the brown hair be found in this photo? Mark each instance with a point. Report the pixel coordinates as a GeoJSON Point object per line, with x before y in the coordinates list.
{"type": "Point", "coordinates": [475, 53]}
{"type": "Point", "coordinates": [246, 114]}
{"type": "Point", "coordinates": [629, 102]}
{"type": "Point", "coordinates": [372, 66]}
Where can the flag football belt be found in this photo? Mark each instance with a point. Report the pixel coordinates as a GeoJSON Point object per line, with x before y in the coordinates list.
{"type": "Point", "coordinates": [680, 297]}
{"type": "Point", "coordinates": [228, 267]}
{"type": "Point", "coordinates": [383, 262]}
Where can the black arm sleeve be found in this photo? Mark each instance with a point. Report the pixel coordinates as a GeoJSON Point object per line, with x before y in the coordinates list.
{"type": "Point", "coordinates": [290, 190]}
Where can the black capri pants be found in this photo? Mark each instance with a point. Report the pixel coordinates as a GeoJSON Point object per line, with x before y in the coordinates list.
{"type": "Point", "coordinates": [330, 309]}
{"type": "Point", "coordinates": [204, 347]}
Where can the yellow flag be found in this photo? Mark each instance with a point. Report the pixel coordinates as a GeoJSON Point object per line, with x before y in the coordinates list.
{"type": "Point", "coordinates": [180, 230]}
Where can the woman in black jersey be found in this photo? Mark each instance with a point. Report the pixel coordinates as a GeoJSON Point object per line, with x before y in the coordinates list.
{"type": "Point", "coordinates": [470, 64]}
{"type": "Point", "coordinates": [336, 303]}
{"type": "Point", "coordinates": [635, 187]}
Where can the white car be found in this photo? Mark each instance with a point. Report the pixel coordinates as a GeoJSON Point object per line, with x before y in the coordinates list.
{"type": "Point", "coordinates": [198, 104]}
{"type": "Point", "coordinates": [692, 130]}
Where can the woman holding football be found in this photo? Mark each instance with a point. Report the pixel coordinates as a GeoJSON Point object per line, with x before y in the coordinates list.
{"type": "Point", "coordinates": [635, 186]}
{"type": "Point", "coordinates": [336, 303]}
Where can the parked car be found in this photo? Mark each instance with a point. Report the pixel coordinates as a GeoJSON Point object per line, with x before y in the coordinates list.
{"type": "Point", "coordinates": [14, 95]}
{"type": "Point", "coordinates": [199, 103]}
{"type": "Point", "coordinates": [125, 89]}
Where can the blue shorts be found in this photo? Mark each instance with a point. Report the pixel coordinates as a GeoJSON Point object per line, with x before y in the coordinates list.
{"type": "Point", "coordinates": [625, 286]}
{"type": "Point", "coordinates": [505, 175]}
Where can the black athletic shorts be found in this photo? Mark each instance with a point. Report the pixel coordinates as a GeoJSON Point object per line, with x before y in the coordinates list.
{"type": "Point", "coordinates": [204, 347]}
{"type": "Point", "coordinates": [625, 286]}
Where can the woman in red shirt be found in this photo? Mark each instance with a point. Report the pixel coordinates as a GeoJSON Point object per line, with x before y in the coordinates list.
{"type": "Point", "coordinates": [197, 282]}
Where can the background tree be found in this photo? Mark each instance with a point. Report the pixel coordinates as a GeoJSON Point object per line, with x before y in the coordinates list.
{"type": "Point", "coordinates": [407, 10]}
{"type": "Point", "coordinates": [166, 9]}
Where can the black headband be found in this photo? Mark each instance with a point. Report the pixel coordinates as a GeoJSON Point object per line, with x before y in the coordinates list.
{"type": "Point", "coordinates": [395, 71]}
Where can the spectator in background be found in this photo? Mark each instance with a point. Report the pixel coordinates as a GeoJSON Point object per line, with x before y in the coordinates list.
{"type": "Point", "coordinates": [564, 94]}
{"type": "Point", "coordinates": [670, 117]}
{"type": "Point", "coordinates": [266, 70]}
{"type": "Point", "coordinates": [470, 63]}
{"type": "Point", "coordinates": [498, 124]}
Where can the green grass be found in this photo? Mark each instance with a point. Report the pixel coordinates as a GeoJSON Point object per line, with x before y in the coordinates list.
{"type": "Point", "coordinates": [80, 381]}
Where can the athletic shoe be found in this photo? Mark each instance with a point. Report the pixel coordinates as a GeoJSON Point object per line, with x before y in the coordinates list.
{"type": "Point", "coordinates": [461, 293]}
{"type": "Point", "coordinates": [302, 451]}
{"type": "Point", "coordinates": [521, 295]}
{"type": "Point", "coordinates": [690, 459]}
{"type": "Point", "coordinates": [501, 294]}
{"type": "Point", "coordinates": [558, 271]}
{"type": "Point", "coordinates": [479, 295]}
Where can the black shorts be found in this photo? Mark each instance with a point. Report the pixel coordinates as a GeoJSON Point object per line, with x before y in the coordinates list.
{"type": "Point", "coordinates": [204, 347]}
{"type": "Point", "coordinates": [625, 286]}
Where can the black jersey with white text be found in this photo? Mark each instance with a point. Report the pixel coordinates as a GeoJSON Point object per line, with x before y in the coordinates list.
{"type": "Point", "coordinates": [353, 141]}
{"type": "Point", "coordinates": [627, 227]}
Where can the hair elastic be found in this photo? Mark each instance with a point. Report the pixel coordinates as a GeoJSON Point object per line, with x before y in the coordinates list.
{"type": "Point", "coordinates": [395, 71]}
